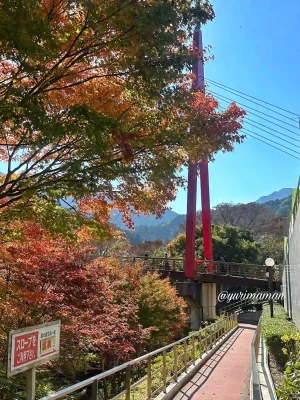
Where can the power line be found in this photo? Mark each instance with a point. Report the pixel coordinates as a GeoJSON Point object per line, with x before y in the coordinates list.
{"type": "Point", "coordinates": [218, 96]}
{"type": "Point", "coordinates": [278, 137]}
{"type": "Point", "coordinates": [252, 97]}
{"type": "Point", "coordinates": [279, 144]}
{"type": "Point", "coordinates": [270, 116]}
{"type": "Point", "coordinates": [254, 137]}
{"type": "Point", "coordinates": [273, 130]}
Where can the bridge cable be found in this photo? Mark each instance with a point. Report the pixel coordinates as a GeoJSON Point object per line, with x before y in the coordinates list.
{"type": "Point", "coordinates": [270, 133]}
{"type": "Point", "coordinates": [257, 115]}
{"type": "Point", "coordinates": [222, 86]}
{"type": "Point", "coordinates": [283, 151]}
{"type": "Point", "coordinates": [288, 148]}
{"type": "Point", "coordinates": [260, 112]}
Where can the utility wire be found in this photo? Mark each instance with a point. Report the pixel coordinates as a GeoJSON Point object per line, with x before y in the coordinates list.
{"type": "Point", "coordinates": [265, 119]}
{"type": "Point", "coordinates": [271, 133]}
{"type": "Point", "coordinates": [254, 137]}
{"type": "Point", "coordinates": [272, 141]}
{"type": "Point", "coordinates": [270, 116]}
{"type": "Point", "coordinates": [273, 130]}
{"type": "Point", "coordinates": [231, 90]}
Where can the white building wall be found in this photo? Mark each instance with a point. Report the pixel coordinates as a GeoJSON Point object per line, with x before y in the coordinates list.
{"type": "Point", "coordinates": [291, 275]}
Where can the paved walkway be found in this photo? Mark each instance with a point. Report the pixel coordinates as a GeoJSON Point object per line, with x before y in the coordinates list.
{"type": "Point", "coordinates": [226, 375]}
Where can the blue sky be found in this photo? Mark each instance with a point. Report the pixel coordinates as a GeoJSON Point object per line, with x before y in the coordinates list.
{"type": "Point", "coordinates": [257, 51]}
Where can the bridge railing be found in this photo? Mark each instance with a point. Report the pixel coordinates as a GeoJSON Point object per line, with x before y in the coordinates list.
{"type": "Point", "coordinates": [158, 263]}
{"type": "Point", "coordinates": [149, 375]}
{"type": "Point", "coordinates": [251, 271]}
{"type": "Point", "coordinates": [234, 307]}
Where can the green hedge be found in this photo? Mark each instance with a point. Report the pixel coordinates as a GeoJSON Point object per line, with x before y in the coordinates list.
{"type": "Point", "coordinates": [274, 328]}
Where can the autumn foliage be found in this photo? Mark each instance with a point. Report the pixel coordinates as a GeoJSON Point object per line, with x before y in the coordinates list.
{"type": "Point", "coordinates": [104, 307]}
{"type": "Point", "coordinates": [96, 114]}
{"type": "Point", "coordinates": [95, 107]}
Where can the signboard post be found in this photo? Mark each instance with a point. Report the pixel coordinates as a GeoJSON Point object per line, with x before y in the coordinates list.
{"type": "Point", "coordinates": [30, 347]}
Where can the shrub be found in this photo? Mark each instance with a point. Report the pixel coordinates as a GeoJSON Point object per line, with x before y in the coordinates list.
{"type": "Point", "coordinates": [274, 328]}
{"type": "Point", "coordinates": [161, 310]}
{"type": "Point", "coordinates": [290, 386]}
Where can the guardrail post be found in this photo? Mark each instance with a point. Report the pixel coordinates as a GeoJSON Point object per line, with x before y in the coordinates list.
{"type": "Point", "coordinates": [95, 390]}
{"type": "Point", "coordinates": [175, 363]}
{"type": "Point", "coordinates": [127, 383]}
{"type": "Point", "coordinates": [153, 264]}
{"type": "Point", "coordinates": [185, 355]}
{"type": "Point", "coordinates": [193, 349]}
{"type": "Point", "coordinates": [200, 344]}
{"type": "Point", "coordinates": [214, 333]}
{"type": "Point", "coordinates": [164, 372]}
{"type": "Point", "coordinates": [149, 378]}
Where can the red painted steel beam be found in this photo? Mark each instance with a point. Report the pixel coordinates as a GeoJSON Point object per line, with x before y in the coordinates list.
{"type": "Point", "coordinates": [206, 215]}
{"type": "Point", "coordinates": [190, 264]}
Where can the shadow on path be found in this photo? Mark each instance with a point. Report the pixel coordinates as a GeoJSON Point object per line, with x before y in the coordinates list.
{"type": "Point", "coordinates": [207, 369]}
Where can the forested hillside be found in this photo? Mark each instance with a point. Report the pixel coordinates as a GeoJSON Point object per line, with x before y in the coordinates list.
{"type": "Point", "coordinates": [250, 216]}
{"type": "Point", "coordinates": [280, 207]}
{"type": "Point", "coordinates": [165, 231]}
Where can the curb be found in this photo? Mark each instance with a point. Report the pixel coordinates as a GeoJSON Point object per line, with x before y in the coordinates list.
{"type": "Point", "coordinates": [266, 371]}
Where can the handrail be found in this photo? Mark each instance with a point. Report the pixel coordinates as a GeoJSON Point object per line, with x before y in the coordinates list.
{"type": "Point", "coordinates": [250, 271]}
{"type": "Point", "coordinates": [182, 354]}
{"type": "Point", "coordinates": [234, 306]}
{"type": "Point", "coordinates": [254, 354]}
{"type": "Point", "coordinates": [230, 263]}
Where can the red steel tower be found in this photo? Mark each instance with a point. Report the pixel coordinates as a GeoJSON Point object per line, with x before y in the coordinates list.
{"type": "Point", "coordinates": [190, 264]}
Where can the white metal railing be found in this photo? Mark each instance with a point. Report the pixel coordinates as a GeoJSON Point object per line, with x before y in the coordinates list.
{"type": "Point", "coordinates": [149, 375]}
{"type": "Point", "coordinates": [256, 392]}
{"type": "Point", "coordinates": [234, 307]}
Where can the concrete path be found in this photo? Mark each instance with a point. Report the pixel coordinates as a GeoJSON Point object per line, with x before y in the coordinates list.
{"type": "Point", "coordinates": [226, 375]}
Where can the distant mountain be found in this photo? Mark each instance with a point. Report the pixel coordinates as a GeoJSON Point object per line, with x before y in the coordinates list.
{"type": "Point", "coordinates": [169, 225]}
{"type": "Point", "coordinates": [280, 206]}
{"type": "Point", "coordinates": [143, 220]}
{"type": "Point", "coordinates": [165, 231]}
{"type": "Point", "coordinates": [279, 195]}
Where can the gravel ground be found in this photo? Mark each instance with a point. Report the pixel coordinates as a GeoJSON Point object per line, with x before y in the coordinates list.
{"type": "Point", "coordinates": [276, 371]}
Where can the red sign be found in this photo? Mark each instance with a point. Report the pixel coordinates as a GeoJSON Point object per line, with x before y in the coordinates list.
{"type": "Point", "coordinates": [26, 348]}
{"type": "Point", "coordinates": [32, 346]}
